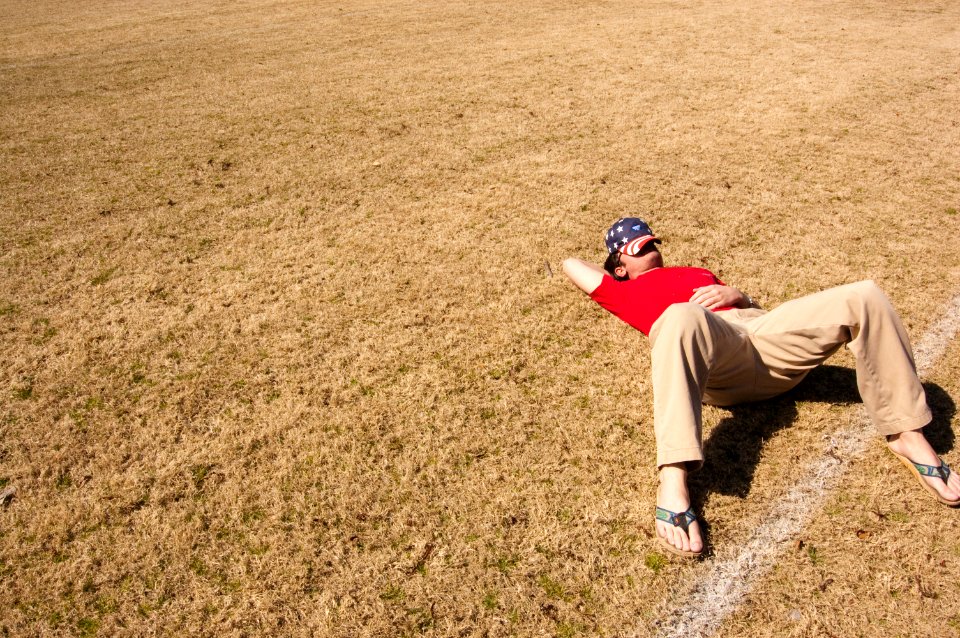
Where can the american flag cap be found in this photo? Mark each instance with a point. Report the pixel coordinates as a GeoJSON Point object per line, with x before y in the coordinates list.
{"type": "Point", "coordinates": [628, 235]}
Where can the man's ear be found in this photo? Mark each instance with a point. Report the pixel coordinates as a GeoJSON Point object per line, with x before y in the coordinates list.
{"type": "Point", "coordinates": [620, 271]}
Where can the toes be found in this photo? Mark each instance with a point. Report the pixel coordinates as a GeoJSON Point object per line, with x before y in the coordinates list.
{"type": "Point", "coordinates": [680, 540]}
{"type": "Point", "coordinates": [672, 535]}
{"type": "Point", "coordinates": [948, 492]}
{"type": "Point", "coordinates": [954, 482]}
{"type": "Point", "coordinates": [675, 538]}
{"type": "Point", "coordinates": [666, 533]}
{"type": "Point", "coordinates": [952, 490]}
{"type": "Point", "coordinates": [696, 544]}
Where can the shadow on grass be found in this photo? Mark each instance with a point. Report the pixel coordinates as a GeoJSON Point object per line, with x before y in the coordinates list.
{"type": "Point", "coordinates": [733, 448]}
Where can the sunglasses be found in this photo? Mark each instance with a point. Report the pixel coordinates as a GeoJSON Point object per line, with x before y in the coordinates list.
{"type": "Point", "coordinates": [647, 248]}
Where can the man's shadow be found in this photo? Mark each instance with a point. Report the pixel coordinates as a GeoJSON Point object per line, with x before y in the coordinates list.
{"type": "Point", "coordinates": [732, 450]}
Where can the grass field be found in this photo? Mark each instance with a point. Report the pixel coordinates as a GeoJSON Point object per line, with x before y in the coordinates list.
{"type": "Point", "coordinates": [286, 350]}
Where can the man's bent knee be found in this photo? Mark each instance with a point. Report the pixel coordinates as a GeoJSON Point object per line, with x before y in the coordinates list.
{"type": "Point", "coordinates": [679, 319]}
{"type": "Point", "coordinates": [682, 317]}
{"type": "Point", "coordinates": [870, 293]}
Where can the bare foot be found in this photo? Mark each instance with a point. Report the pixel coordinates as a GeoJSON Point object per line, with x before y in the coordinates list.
{"type": "Point", "coordinates": [915, 447]}
{"type": "Point", "coordinates": [672, 495]}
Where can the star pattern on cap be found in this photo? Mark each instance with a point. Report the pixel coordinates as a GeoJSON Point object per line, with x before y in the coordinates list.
{"type": "Point", "coordinates": [624, 231]}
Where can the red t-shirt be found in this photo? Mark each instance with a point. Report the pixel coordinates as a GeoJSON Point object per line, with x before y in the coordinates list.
{"type": "Point", "coordinates": [641, 301]}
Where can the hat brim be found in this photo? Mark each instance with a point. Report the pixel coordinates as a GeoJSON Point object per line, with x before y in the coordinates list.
{"type": "Point", "coordinates": [634, 246]}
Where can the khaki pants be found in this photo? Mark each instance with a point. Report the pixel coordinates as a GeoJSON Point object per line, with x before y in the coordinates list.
{"type": "Point", "coordinates": [734, 356]}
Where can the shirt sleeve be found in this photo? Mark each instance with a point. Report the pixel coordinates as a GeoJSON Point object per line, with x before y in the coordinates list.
{"type": "Point", "coordinates": [609, 294]}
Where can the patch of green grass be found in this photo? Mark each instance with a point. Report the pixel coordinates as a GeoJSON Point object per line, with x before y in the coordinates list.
{"type": "Point", "coordinates": [253, 514]}
{"type": "Point", "coordinates": [197, 566]}
{"type": "Point", "coordinates": [506, 563]}
{"type": "Point", "coordinates": [227, 585]}
{"type": "Point", "coordinates": [54, 619]}
{"type": "Point", "coordinates": [7, 308]}
{"type": "Point", "coordinates": [4, 481]}
{"type": "Point", "coordinates": [79, 418]}
{"type": "Point", "coordinates": [898, 517]}
{"type": "Point", "coordinates": [392, 593]}
{"type": "Point", "coordinates": [490, 600]}
{"type": "Point", "coordinates": [106, 605]}
{"type": "Point", "coordinates": [199, 473]}
{"type": "Point", "coordinates": [655, 561]}
{"type": "Point", "coordinates": [814, 554]}
{"type": "Point", "coordinates": [552, 588]}
{"type": "Point", "coordinates": [546, 552]}
{"type": "Point", "coordinates": [64, 481]}
{"type": "Point", "coordinates": [24, 392]}
{"type": "Point", "coordinates": [103, 277]}
{"type": "Point", "coordinates": [951, 211]}
{"type": "Point", "coordinates": [88, 627]}
{"type": "Point", "coordinates": [47, 332]}
{"type": "Point", "coordinates": [568, 630]}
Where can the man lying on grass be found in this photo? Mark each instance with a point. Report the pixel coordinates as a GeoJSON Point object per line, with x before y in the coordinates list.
{"type": "Point", "coordinates": [712, 344]}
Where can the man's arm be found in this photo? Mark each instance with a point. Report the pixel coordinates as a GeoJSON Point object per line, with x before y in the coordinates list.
{"type": "Point", "coordinates": [585, 275]}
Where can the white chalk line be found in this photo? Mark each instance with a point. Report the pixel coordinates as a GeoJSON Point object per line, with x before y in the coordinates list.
{"type": "Point", "coordinates": [726, 581]}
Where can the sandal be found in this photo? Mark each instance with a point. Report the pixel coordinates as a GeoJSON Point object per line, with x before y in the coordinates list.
{"type": "Point", "coordinates": [919, 470]}
{"type": "Point", "coordinates": [681, 520]}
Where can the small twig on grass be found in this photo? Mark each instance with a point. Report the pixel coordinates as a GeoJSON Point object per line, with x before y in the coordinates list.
{"type": "Point", "coordinates": [546, 266]}
{"type": "Point", "coordinates": [924, 590]}
{"type": "Point", "coordinates": [424, 557]}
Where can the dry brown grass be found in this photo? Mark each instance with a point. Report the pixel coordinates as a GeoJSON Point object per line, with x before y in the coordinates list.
{"type": "Point", "coordinates": [281, 355]}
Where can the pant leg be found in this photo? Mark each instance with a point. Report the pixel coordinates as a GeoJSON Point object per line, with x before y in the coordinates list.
{"type": "Point", "coordinates": [692, 348]}
{"type": "Point", "coordinates": [799, 335]}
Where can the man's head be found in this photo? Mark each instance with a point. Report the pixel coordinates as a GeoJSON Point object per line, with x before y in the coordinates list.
{"type": "Point", "coordinates": [632, 249]}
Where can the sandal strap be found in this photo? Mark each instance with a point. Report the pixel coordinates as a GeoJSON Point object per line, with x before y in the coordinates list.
{"type": "Point", "coordinates": [941, 471]}
{"type": "Point", "coordinates": [681, 520]}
